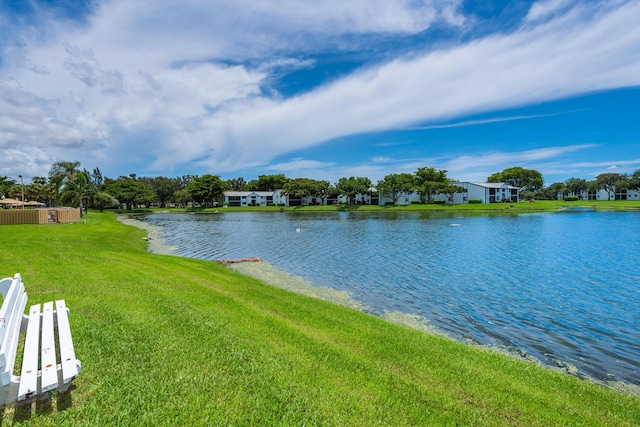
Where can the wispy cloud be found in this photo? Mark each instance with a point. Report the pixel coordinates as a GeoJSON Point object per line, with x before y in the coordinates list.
{"type": "Point", "coordinates": [608, 164]}
{"type": "Point", "coordinates": [545, 9]}
{"type": "Point", "coordinates": [394, 143]}
{"type": "Point", "coordinates": [300, 165]}
{"type": "Point", "coordinates": [189, 84]}
{"type": "Point", "coordinates": [489, 121]}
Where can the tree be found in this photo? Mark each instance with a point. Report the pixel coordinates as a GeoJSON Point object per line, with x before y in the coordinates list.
{"type": "Point", "coordinates": [525, 179]}
{"type": "Point", "coordinates": [131, 192]}
{"type": "Point", "coordinates": [301, 188]}
{"type": "Point", "coordinates": [429, 182]}
{"type": "Point", "coordinates": [41, 189]}
{"type": "Point", "coordinates": [551, 192]}
{"type": "Point", "coordinates": [236, 184]}
{"type": "Point", "coordinates": [609, 182]}
{"type": "Point", "coordinates": [634, 181]}
{"type": "Point", "coordinates": [396, 184]}
{"type": "Point", "coordinates": [76, 190]}
{"type": "Point", "coordinates": [102, 200]}
{"type": "Point", "coordinates": [164, 188]}
{"type": "Point", "coordinates": [62, 171]}
{"type": "Point", "coordinates": [182, 197]}
{"type": "Point", "coordinates": [267, 183]}
{"type": "Point", "coordinates": [325, 189]}
{"type": "Point", "coordinates": [352, 186]}
{"type": "Point", "coordinates": [450, 190]}
{"type": "Point", "coordinates": [5, 184]}
{"type": "Point", "coordinates": [206, 189]}
{"type": "Point", "coordinates": [576, 186]}
{"type": "Point", "coordinates": [96, 178]}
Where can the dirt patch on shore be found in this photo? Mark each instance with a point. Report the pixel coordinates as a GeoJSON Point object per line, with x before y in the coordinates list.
{"type": "Point", "coordinates": [154, 235]}
{"type": "Point", "coordinates": [271, 275]}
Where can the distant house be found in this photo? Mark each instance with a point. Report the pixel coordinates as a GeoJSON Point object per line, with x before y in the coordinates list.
{"type": "Point", "coordinates": [248, 198]}
{"type": "Point", "coordinates": [486, 192]}
{"type": "Point", "coordinates": [281, 199]}
{"type": "Point", "coordinates": [403, 199]}
{"type": "Point", "coordinates": [604, 195]}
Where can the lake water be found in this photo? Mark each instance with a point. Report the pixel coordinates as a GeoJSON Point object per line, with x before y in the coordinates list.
{"type": "Point", "coordinates": [561, 288]}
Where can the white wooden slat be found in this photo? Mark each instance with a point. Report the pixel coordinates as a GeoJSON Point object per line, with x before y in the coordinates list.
{"type": "Point", "coordinates": [10, 344]}
{"type": "Point", "coordinates": [5, 314]}
{"type": "Point", "coordinates": [67, 354]}
{"type": "Point", "coordinates": [48, 364]}
{"type": "Point", "coordinates": [5, 284]}
{"type": "Point", "coordinates": [29, 374]}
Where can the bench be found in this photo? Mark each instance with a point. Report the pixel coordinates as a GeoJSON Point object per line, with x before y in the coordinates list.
{"type": "Point", "coordinates": [47, 341]}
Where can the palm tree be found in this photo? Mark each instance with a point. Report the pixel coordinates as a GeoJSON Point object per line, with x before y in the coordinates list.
{"type": "Point", "coordinates": [76, 190]}
{"type": "Point", "coordinates": [5, 184]}
{"type": "Point", "coordinates": [62, 171]}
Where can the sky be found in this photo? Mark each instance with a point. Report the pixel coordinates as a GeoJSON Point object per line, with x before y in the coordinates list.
{"type": "Point", "coordinates": [320, 89]}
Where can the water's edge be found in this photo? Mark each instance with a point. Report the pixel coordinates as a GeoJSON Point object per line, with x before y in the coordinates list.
{"type": "Point", "coordinates": [273, 276]}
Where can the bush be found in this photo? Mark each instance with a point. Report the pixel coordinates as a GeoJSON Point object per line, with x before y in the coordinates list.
{"type": "Point", "coordinates": [438, 202]}
{"type": "Point", "coordinates": [571, 198]}
{"type": "Point", "coordinates": [130, 211]}
{"type": "Point", "coordinates": [475, 202]}
{"type": "Point", "coordinates": [416, 202]}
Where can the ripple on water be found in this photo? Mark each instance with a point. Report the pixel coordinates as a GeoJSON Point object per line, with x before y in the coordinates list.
{"type": "Point", "coordinates": [559, 287]}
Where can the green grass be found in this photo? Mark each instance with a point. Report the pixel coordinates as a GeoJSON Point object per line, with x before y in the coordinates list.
{"type": "Point", "coordinates": [168, 341]}
{"type": "Point", "coordinates": [520, 207]}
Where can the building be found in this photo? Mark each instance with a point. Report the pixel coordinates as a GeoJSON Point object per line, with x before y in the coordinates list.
{"type": "Point", "coordinates": [476, 192]}
{"type": "Point", "coordinates": [603, 194]}
{"type": "Point", "coordinates": [486, 192]}
{"type": "Point", "coordinates": [248, 198]}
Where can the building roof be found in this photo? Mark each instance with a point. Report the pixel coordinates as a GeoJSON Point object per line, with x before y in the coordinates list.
{"type": "Point", "coordinates": [494, 185]}
{"type": "Point", "coordinates": [248, 193]}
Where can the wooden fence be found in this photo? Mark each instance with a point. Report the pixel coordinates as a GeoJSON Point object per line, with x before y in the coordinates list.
{"type": "Point", "coordinates": [39, 216]}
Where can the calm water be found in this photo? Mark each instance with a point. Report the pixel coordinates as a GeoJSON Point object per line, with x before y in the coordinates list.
{"type": "Point", "coordinates": [560, 287]}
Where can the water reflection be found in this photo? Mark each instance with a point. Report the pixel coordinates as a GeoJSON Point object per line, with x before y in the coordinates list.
{"type": "Point", "coordinates": [557, 287]}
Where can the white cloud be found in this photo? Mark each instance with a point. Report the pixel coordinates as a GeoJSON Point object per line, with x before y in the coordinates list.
{"type": "Point", "coordinates": [530, 66]}
{"type": "Point", "coordinates": [608, 164]}
{"type": "Point", "coordinates": [162, 81]}
{"type": "Point", "coordinates": [487, 121]}
{"type": "Point", "coordinates": [544, 9]}
{"type": "Point", "coordinates": [300, 166]}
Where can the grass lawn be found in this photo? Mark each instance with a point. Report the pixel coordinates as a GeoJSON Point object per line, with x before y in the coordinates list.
{"type": "Point", "coordinates": [520, 207]}
{"type": "Point", "coordinates": [168, 341]}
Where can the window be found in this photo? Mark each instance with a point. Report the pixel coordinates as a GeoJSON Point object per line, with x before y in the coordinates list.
{"type": "Point", "coordinates": [621, 195]}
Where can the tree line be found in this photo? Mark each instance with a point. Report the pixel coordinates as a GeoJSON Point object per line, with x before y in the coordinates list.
{"type": "Point", "coordinates": [68, 185]}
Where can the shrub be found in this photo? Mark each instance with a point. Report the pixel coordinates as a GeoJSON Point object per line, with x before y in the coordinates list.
{"type": "Point", "coordinates": [416, 202]}
{"type": "Point", "coordinates": [438, 202]}
{"type": "Point", "coordinates": [475, 202]}
{"type": "Point", "coordinates": [571, 198]}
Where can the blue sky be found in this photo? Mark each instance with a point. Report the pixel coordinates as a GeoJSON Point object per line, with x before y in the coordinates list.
{"type": "Point", "coordinates": [320, 89]}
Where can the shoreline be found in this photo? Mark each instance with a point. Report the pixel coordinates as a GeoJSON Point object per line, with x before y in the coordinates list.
{"type": "Point", "coordinates": [273, 276]}
{"type": "Point", "coordinates": [154, 235]}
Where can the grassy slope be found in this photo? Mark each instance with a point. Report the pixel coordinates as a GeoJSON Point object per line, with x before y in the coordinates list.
{"type": "Point", "coordinates": [172, 341]}
{"type": "Point", "coordinates": [520, 207]}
